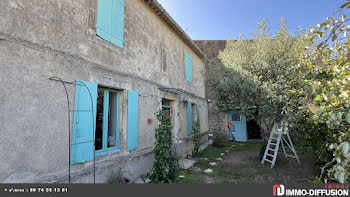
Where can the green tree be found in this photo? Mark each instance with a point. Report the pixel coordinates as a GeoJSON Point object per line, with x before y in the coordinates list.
{"type": "Point", "coordinates": [249, 73]}
{"type": "Point", "coordinates": [317, 97]}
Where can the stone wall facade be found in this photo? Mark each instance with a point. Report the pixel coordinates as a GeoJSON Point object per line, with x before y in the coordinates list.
{"type": "Point", "coordinates": [44, 39]}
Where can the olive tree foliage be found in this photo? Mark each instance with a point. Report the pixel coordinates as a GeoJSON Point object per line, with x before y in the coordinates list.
{"type": "Point", "coordinates": [317, 95]}
{"type": "Point", "coordinates": [248, 73]}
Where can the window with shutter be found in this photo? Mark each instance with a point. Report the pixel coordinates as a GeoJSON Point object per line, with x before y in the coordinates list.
{"type": "Point", "coordinates": [189, 118]}
{"type": "Point", "coordinates": [107, 121]}
{"type": "Point", "coordinates": [84, 122]}
{"type": "Point", "coordinates": [188, 65]}
{"type": "Point", "coordinates": [198, 117]}
{"type": "Point", "coordinates": [110, 21]}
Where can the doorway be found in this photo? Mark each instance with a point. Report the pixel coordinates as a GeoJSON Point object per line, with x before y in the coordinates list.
{"type": "Point", "coordinates": [253, 129]}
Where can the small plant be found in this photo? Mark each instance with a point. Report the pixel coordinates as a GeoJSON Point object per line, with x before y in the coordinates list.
{"type": "Point", "coordinates": [117, 178]}
{"type": "Point", "coordinates": [165, 165]}
{"type": "Point", "coordinates": [220, 139]}
{"type": "Point", "coordinates": [316, 180]}
{"type": "Point", "coordinates": [196, 138]}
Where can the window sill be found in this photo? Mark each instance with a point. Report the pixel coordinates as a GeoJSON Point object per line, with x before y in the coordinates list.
{"type": "Point", "coordinates": [188, 83]}
{"type": "Point", "coordinates": [94, 38]}
{"type": "Point", "coordinates": [110, 150]}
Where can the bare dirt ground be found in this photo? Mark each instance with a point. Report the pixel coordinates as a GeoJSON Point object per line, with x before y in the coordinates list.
{"type": "Point", "coordinates": [240, 164]}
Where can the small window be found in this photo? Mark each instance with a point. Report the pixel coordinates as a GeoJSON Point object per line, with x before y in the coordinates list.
{"type": "Point", "coordinates": [194, 112]}
{"type": "Point", "coordinates": [164, 59]}
{"type": "Point", "coordinates": [107, 120]}
{"type": "Point", "coordinates": [236, 117]}
{"type": "Point", "coordinates": [166, 108]}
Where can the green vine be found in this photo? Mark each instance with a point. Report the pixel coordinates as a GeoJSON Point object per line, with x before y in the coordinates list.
{"type": "Point", "coordinates": [196, 138]}
{"type": "Point", "coordinates": [164, 167]}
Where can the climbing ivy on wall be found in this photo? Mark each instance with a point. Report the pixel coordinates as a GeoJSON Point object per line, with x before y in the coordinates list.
{"type": "Point", "coordinates": [164, 167]}
{"type": "Point", "coordinates": [196, 138]}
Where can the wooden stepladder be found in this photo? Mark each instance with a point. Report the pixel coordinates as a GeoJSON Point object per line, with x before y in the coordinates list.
{"type": "Point", "coordinates": [277, 138]}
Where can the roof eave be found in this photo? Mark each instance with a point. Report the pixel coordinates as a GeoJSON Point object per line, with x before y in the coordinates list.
{"type": "Point", "coordinates": [160, 11]}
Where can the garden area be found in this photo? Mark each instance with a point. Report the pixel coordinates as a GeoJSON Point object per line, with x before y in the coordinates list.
{"type": "Point", "coordinates": [239, 163]}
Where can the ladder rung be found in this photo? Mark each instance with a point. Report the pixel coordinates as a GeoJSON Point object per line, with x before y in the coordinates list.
{"type": "Point", "coordinates": [268, 160]}
{"type": "Point", "coordinates": [291, 156]}
{"type": "Point", "coordinates": [270, 155]}
{"type": "Point", "coordinates": [273, 143]}
{"type": "Point", "coordinates": [271, 149]}
{"type": "Point", "coordinates": [274, 138]}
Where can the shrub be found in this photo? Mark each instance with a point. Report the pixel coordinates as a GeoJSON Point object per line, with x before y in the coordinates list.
{"type": "Point", "coordinates": [196, 138]}
{"type": "Point", "coordinates": [220, 139]}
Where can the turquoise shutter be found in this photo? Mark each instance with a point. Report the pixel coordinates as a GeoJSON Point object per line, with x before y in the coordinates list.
{"type": "Point", "coordinates": [105, 119]}
{"type": "Point", "coordinates": [198, 114]}
{"type": "Point", "coordinates": [84, 122]}
{"type": "Point", "coordinates": [118, 23]}
{"type": "Point", "coordinates": [110, 21]}
{"type": "Point", "coordinates": [118, 118]}
{"type": "Point", "coordinates": [133, 102]}
{"type": "Point", "coordinates": [189, 118]}
{"type": "Point", "coordinates": [188, 62]}
{"type": "Point", "coordinates": [104, 19]}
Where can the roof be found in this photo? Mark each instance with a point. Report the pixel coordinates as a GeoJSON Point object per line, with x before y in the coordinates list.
{"type": "Point", "coordinates": [211, 48]}
{"type": "Point", "coordinates": [162, 13]}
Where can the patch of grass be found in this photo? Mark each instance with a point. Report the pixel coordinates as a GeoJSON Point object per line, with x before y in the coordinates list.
{"type": "Point", "coordinates": [190, 177]}
{"type": "Point", "coordinates": [202, 164]}
{"type": "Point", "coordinates": [251, 171]}
{"type": "Point", "coordinates": [246, 146]}
{"type": "Point", "coordinates": [222, 174]}
{"type": "Point", "coordinates": [315, 180]}
{"type": "Point", "coordinates": [212, 152]}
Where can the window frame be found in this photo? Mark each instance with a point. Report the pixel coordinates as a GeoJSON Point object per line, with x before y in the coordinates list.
{"type": "Point", "coordinates": [105, 149]}
{"type": "Point", "coordinates": [236, 115]}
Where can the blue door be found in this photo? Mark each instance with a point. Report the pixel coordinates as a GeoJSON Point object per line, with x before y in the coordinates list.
{"type": "Point", "coordinates": [239, 130]}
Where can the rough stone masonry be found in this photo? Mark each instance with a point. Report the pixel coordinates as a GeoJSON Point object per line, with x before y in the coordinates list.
{"type": "Point", "coordinates": [42, 39]}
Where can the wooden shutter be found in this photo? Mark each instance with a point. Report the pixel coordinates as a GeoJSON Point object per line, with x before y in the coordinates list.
{"type": "Point", "coordinates": [110, 21]}
{"type": "Point", "coordinates": [189, 118]}
{"type": "Point", "coordinates": [84, 122]}
{"type": "Point", "coordinates": [132, 136]}
{"type": "Point", "coordinates": [188, 62]}
{"type": "Point", "coordinates": [198, 118]}
{"type": "Point", "coordinates": [118, 23]}
{"type": "Point", "coordinates": [104, 19]}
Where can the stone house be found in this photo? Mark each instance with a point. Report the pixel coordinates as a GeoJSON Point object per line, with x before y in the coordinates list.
{"type": "Point", "coordinates": [119, 62]}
